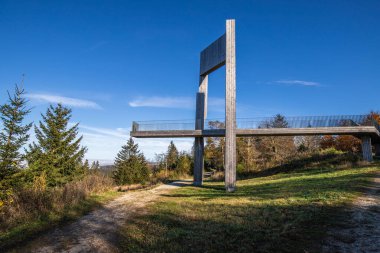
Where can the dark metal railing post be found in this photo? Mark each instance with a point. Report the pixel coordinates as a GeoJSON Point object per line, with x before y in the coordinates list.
{"type": "Point", "coordinates": [263, 122]}
{"type": "Point", "coordinates": [134, 126]}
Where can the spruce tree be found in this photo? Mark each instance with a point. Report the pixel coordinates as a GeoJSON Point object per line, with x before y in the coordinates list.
{"type": "Point", "coordinates": [58, 151]}
{"type": "Point", "coordinates": [131, 166]}
{"type": "Point", "coordinates": [14, 133]}
{"type": "Point", "coordinates": [172, 156]}
{"type": "Point", "coordinates": [95, 166]}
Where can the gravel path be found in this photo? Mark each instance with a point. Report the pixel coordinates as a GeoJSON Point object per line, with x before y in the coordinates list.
{"type": "Point", "coordinates": [362, 232]}
{"type": "Point", "coordinates": [98, 230]}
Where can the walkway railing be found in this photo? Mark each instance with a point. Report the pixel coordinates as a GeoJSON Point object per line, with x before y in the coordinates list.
{"type": "Point", "coordinates": [262, 122]}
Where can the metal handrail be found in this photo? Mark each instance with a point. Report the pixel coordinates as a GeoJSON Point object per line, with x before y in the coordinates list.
{"type": "Point", "coordinates": [262, 122]}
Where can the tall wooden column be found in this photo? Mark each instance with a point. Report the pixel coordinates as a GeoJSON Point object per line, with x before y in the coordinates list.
{"type": "Point", "coordinates": [200, 114]}
{"type": "Point", "coordinates": [367, 148]}
{"type": "Point", "coordinates": [377, 149]}
{"type": "Point", "coordinates": [230, 148]}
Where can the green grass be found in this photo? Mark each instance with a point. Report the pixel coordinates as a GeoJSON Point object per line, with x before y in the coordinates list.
{"type": "Point", "coordinates": [286, 212]}
{"type": "Point", "coordinates": [30, 229]}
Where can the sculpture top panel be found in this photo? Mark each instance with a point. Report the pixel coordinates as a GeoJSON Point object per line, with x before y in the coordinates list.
{"type": "Point", "coordinates": [214, 56]}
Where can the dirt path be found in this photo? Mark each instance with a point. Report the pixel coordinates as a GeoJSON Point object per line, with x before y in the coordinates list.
{"type": "Point", "coordinates": [362, 232]}
{"type": "Point", "coordinates": [97, 231]}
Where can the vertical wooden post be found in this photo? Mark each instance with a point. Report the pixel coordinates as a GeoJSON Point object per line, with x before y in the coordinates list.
{"type": "Point", "coordinates": [201, 111]}
{"type": "Point", "coordinates": [377, 149]}
{"type": "Point", "coordinates": [230, 148]}
{"type": "Point", "coordinates": [367, 148]}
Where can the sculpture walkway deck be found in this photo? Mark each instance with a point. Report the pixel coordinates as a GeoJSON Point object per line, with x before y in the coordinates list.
{"type": "Point", "coordinates": [357, 125]}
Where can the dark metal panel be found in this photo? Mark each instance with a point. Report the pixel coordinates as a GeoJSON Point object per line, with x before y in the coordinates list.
{"type": "Point", "coordinates": [214, 56]}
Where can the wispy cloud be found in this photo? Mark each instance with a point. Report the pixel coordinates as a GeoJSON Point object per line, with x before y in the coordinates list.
{"type": "Point", "coordinates": [104, 143]}
{"type": "Point", "coordinates": [118, 132]}
{"type": "Point", "coordinates": [298, 82]}
{"type": "Point", "coordinates": [172, 102]}
{"type": "Point", "coordinates": [163, 102]}
{"type": "Point", "coordinates": [74, 102]}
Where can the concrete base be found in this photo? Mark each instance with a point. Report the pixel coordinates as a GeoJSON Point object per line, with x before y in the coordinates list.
{"type": "Point", "coordinates": [230, 189]}
{"type": "Point", "coordinates": [197, 183]}
{"type": "Point", "coordinates": [367, 149]}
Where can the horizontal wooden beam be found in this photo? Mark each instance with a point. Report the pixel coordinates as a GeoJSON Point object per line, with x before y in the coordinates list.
{"type": "Point", "coordinates": [355, 130]}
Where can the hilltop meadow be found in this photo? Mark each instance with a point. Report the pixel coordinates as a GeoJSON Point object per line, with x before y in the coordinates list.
{"type": "Point", "coordinates": [290, 191]}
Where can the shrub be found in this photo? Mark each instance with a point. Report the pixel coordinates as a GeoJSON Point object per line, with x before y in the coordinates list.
{"type": "Point", "coordinates": [37, 201]}
{"type": "Point", "coordinates": [331, 151]}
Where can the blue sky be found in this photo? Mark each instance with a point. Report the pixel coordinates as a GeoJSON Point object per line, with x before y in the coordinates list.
{"type": "Point", "coordinates": [114, 62]}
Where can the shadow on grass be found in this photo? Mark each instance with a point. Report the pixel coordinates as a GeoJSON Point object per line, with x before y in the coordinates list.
{"type": "Point", "coordinates": [226, 228]}
{"type": "Point", "coordinates": [181, 183]}
{"type": "Point", "coordinates": [284, 213]}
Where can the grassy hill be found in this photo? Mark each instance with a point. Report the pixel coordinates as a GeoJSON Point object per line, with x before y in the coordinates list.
{"type": "Point", "coordinates": [274, 211]}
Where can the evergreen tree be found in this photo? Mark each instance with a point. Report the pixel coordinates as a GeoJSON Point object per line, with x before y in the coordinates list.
{"type": "Point", "coordinates": [275, 150]}
{"type": "Point", "coordinates": [86, 167]}
{"type": "Point", "coordinates": [279, 121]}
{"type": "Point", "coordinates": [95, 166]}
{"type": "Point", "coordinates": [14, 133]}
{"type": "Point", "coordinates": [172, 156]}
{"type": "Point", "coordinates": [131, 166]}
{"type": "Point", "coordinates": [58, 151]}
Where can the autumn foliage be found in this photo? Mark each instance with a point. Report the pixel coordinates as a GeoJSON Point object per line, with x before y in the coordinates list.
{"type": "Point", "coordinates": [347, 143]}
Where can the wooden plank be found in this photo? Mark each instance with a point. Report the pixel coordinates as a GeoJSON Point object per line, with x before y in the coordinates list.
{"type": "Point", "coordinates": [230, 145]}
{"type": "Point", "coordinates": [357, 131]}
{"type": "Point", "coordinates": [377, 149]}
{"type": "Point", "coordinates": [367, 148]}
{"type": "Point", "coordinates": [203, 88]}
{"type": "Point", "coordinates": [199, 142]}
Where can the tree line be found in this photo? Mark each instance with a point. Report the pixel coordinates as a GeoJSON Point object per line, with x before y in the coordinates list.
{"type": "Point", "coordinates": [57, 152]}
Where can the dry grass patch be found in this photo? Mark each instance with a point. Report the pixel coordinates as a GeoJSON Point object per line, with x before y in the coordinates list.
{"type": "Point", "coordinates": [284, 212]}
{"type": "Point", "coordinates": [36, 208]}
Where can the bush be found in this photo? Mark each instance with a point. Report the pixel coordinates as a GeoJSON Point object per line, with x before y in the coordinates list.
{"type": "Point", "coordinates": [36, 201]}
{"type": "Point", "coordinates": [331, 151]}
{"type": "Point", "coordinates": [240, 168]}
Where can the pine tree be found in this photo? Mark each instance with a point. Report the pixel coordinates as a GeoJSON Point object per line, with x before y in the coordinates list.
{"type": "Point", "coordinates": [95, 166]}
{"type": "Point", "coordinates": [86, 167]}
{"type": "Point", "coordinates": [58, 151]}
{"type": "Point", "coordinates": [172, 156]}
{"type": "Point", "coordinates": [14, 133]}
{"type": "Point", "coordinates": [131, 166]}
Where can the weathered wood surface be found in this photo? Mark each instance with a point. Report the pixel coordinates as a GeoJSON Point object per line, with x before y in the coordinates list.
{"type": "Point", "coordinates": [367, 148]}
{"type": "Point", "coordinates": [203, 88]}
{"type": "Point", "coordinates": [377, 149]}
{"type": "Point", "coordinates": [199, 142]}
{"type": "Point", "coordinates": [230, 143]}
{"type": "Point", "coordinates": [356, 131]}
